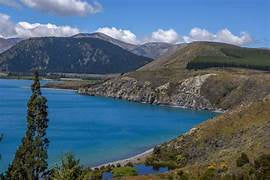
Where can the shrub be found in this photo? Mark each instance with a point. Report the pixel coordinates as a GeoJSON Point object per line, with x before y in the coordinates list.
{"type": "Point", "coordinates": [209, 174]}
{"type": "Point", "coordinates": [262, 167]}
{"type": "Point", "coordinates": [149, 161]}
{"type": "Point", "coordinates": [90, 175]}
{"type": "Point", "coordinates": [169, 164]}
{"type": "Point", "coordinates": [181, 175]}
{"type": "Point", "coordinates": [70, 169]}
{"type": "Point", "coordinates": [129, 164]}
{"type": "Point", "coordinates": [242, 160]}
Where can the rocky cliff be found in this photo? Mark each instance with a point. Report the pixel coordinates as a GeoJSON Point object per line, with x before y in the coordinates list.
{"type": "Point", "coordinates": [186, 93]}
{"type": "Point", "coordinates": [212, 91]}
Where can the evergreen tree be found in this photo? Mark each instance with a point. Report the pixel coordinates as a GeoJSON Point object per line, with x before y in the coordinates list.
{"type": "Point", "coordinates": [30, 162]}
{"type": "Point", "coordinates": [70, 169]}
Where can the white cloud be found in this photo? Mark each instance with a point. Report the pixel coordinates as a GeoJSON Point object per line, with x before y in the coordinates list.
{"type": "Point", "coordinates": [120, 34]}
{"type": "Point", "coordinates": [168, 36]}
{"type": "Point", "coordinates": [197, 34]}
{"type": "Point", "coordinates": [6, 26]}
{"type": "Point", "coordinates": [64, 7]}
{"type": "Point", "coordinates": [224, 35]}
{"type": "Point", "coordinates": [10, 3]}
{"type": "Point", "coordinates": [25, 29]}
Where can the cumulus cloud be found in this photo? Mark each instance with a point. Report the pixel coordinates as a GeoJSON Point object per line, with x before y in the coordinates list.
{"type": "Point", "coordinates": [7, 27]}
{"type": "Point", "coordinates": [168, 36]}
{"type": "Point", "coordinates": [64, 7]}
{"type": "Point", "coordinates": [25, 29]}
{"type": "Point", "coordinates": [224, 35]}
{"type": "Point", "coordinates": [171, 36]}
{"type": "Point", "coordinates": [120, 34]}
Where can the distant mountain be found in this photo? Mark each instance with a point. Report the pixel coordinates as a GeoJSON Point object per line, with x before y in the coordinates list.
{"type": "Point", "coordinates": [152, 50]}
{"type": "Point", "coordinates": [156, 49]}
{"type": "Point", "coordinates": [107, 38]}
{"type": "Point", "coordinates": [203, 55]}
{"type": "Point", "coordinates": [8, 43]}
{"type": "Point", "coordinates": [69, 55]}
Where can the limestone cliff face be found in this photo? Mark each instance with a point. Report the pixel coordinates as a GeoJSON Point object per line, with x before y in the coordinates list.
{"type": "Point", "coordinates": [185, 93]}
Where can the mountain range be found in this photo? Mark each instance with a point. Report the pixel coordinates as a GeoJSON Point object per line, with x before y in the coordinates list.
{"type": "Point", "coordinates": [69, 55]}
{"type": "Point", "coordinates": [8, 43]}
{"type": "Point", "coordinates": [81, 53]}
{"type": "Point", "coordinates": [152, 50]}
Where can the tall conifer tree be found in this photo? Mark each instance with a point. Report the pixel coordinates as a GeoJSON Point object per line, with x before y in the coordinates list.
{"type": "Point", "coordinates": [30, 162]}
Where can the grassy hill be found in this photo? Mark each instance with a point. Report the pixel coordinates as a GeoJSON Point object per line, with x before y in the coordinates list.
{"type": "Point", "coordinates": [168, 80]}
{"type": "Point", "coordinates": [218, 143]}
{"type": "Point", "coordinates": [180, 64]}
{"type": "Point", "coordinates": [234, 57]}
{"type": "Point", "coordinates": [69, 55]}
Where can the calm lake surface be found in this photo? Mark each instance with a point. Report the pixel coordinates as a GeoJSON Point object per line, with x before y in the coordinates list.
{"type": "Point", "coordinates": [96, 129]}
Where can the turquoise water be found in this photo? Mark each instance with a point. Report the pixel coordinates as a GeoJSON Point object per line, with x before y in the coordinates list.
{"type": "Point", "coordinates": [96, 129]}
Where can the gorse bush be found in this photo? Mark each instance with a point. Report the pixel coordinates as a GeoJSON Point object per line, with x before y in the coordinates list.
{"type": "Point", "coordinates": [242, 160]}
{"type": "Point", "coordinates": [262, 167]}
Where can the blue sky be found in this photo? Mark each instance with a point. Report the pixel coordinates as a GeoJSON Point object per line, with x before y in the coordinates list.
{"type": "Point", "coordinates": [150, 20]}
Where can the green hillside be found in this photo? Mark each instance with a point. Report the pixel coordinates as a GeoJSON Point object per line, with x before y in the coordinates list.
{"type": "Point", "coordinates": [69, 55]}
{"type": "Point", "coordinates": [217, 144]}
{"type": "Point", "coordinates": [234, 57]}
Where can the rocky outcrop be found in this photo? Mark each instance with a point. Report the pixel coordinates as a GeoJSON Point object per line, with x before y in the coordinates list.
{"type": "Point", "coordinates": [185, 93]}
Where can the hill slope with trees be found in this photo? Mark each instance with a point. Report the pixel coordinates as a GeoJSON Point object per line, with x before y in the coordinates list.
{"type": "Point", "coordinates": [69, 55]}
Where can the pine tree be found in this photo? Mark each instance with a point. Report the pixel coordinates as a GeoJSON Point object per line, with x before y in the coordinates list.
{"type": "Point", "coordinates": [30, 162]}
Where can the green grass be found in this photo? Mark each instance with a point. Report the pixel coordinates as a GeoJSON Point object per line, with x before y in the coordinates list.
{"type": "Point", "coordinates": [234, 57]}
{"type": "Point", "coordinates": [124, 171]}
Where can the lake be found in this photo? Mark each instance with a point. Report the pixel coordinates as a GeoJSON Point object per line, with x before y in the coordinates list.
{"type": "Point", "coordinates": [96, 129]}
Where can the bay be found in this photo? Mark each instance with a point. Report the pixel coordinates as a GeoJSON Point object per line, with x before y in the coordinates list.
{"type": "Point", "coordinates": [96, 129]}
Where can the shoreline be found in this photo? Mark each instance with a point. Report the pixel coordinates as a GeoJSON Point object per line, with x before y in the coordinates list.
{"type": "Point", "coordinates": [162, 105]}
{"type": "Point", "coordinates": [165, 105]}
{"type": "Point", "coordinates": [137, 158]}
{"type": "Point", "coordinates": [133, 159]}
{"type": "Point", "coordinates": [59, 89]}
